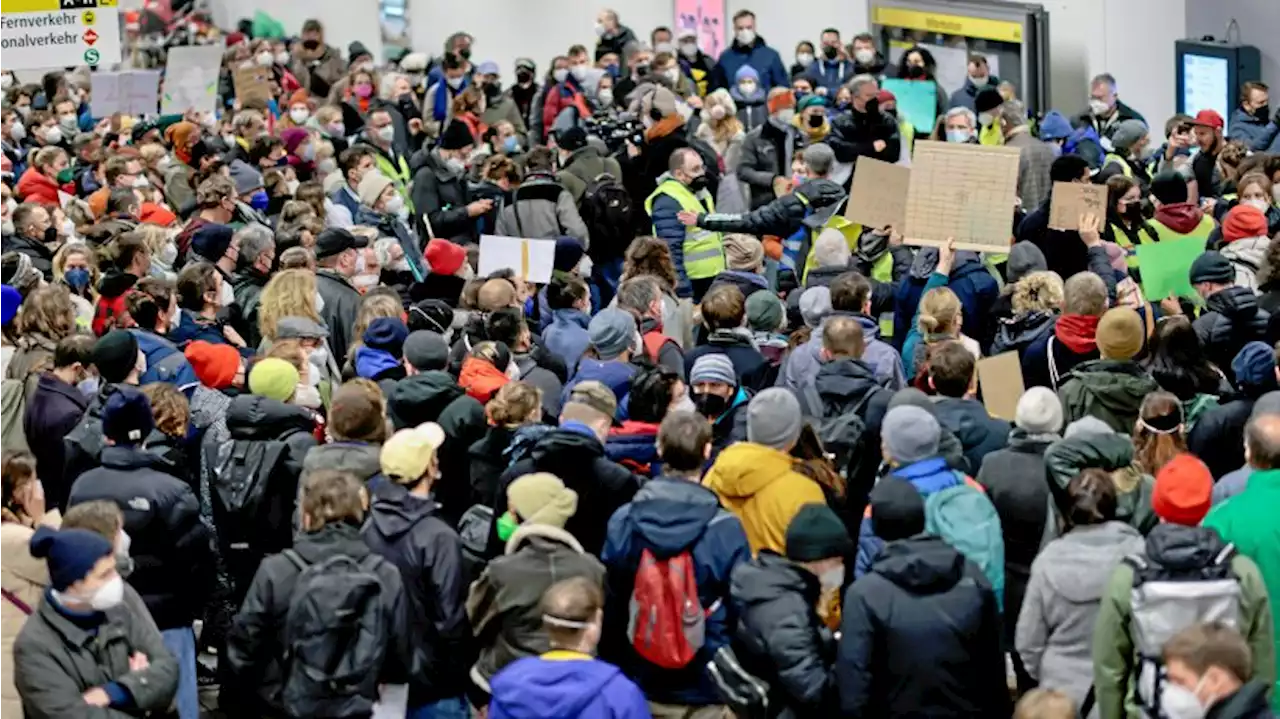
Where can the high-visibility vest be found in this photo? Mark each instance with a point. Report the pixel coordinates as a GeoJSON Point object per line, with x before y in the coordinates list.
{"type": "Point", "coordinates": [991, 136]}
{"type": "Point", "coordinates": [1200, 232]}
{"type": "Point", "coordinates": [1131, 254]}
{"type": "Point", "coordinates": [398, 173]}
{"type": "Point", "coordinates": [1123, 163]}
{"type": "Point", "coordinates": [703, 249]}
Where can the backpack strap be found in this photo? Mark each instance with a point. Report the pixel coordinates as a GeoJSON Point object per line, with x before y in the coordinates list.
{"type": "Point", "coordinates": [15, 601]}
{"type": "Point", "coordinates": [1053, 365]}
{"type": "Point", "coordinates": [296, 559]}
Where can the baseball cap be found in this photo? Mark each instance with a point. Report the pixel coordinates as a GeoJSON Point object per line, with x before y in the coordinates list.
{"type": "Point", "coordinates": [1209, 118]}
{"type": "Point", "coordinates": [334, 240]}
{"type": "Point", "coordinates": [595, 395]}
{"type": "Point", "coordinates": [406, 455]}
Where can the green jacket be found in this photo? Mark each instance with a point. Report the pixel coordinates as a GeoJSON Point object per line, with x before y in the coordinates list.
{"type": "Point", "coordinates": [1110, 390]}
{"type": "Point", "coordinates": [1115, 660]}
{"type": "Point", "coordinates": [1112, 453]}
{"type": "Point", "coordinates": [1248, 520]}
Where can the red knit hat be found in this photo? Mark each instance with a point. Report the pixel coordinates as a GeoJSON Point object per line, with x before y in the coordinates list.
{"type": "Point", "coordinates": [215, 365]}
{"type": "Point", "coordinates": [445, 257]}
{"type": "Point", "coordinates": [780, 100]}
{"type": "Point", "coordinates": [1184, 491]}
{"type": "Point", "coordinates": [153, 214]}
{"type": "Point", "coordinates": [1244, 221]}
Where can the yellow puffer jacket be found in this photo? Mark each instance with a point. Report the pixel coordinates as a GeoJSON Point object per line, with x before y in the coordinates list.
{"type": "Point", "coordinates": [759, 486]}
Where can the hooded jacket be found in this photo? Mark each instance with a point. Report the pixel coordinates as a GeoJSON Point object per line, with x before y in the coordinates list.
{"type": "Point", "coordinates": [753, 371]}
{"type": "Point", "coordinates": [921, 637]}
{"type": "Point", "coordinates": [172, 549]}
{"type": "Point", "coordinates": [731, 425]}
{"type": "Point", "coordinates": [161, 365]}
{"type": "Point", "coordinates": [1068, 582]}
{"type": "Point", "coordinates": [972, 284]}
{"type": "Point", "coordinates": [760, 486]}
{"type": "Point", "coordinates": [1110, 452]}
{"type": "Point", "coordinates": [634, 445]}
{"type": "Point", "coordinates": [247, 287]}
{"type": "Point", "coordinates": [1111, 390]}
{"type": "Point", "coordinates": [1020, 332]}
{"type": "Point", "coordinates": [52, 411]}
{"type": "Point", "coordinates": [360, 459]}
{"type": "Point", "coordinates": [1231, 320]}
{"type": "Point", "coordinates": [442, 195]}
{"type": "Point", "coordinates": [565, 684]}
{"type": "Point", "coordinates": [669, 516]}
{"type": "Point", "coordinates": [481, 379]}
{"type": "Point", "coordinates": [1047, 347]}
{"type": "Point", "coordinates": [854, 134]}
{"type": "Point", "coordinates": [842, 386]}
{"type": "Point", "coordinates": [780, 637]}
{"type": "Point", "coordinates": [503, 603]}
{"type": "Point", "coordinates": [927, 476]}
{"type": "Point", "coordinates": [1181, 217]}
{"type": "Point", "coordinates": [979, 433]}
{"type": "Point", "coordinates": [1246, 256]}
{"type": "Point", "coordinates": [1215, 438]}
{"type": "Point", "coordinates": [614, 374]}
{"type": "Point", "coordinates": [804, 361]}
{"type": "Point", "coordinates": [1180, 549]}
{"type": "Point", "coordinates": [406, 531]}
{"type": "Point", "coordinates": [256, 664]}
{"type": "Point", "coordinates": [542, 209]}
{"type": "Point", "coordinates": [579, 460]}
{"type": "Point", "coordinates": [583, 167]}
{"type": "Point", "coordinates": [567, 336]}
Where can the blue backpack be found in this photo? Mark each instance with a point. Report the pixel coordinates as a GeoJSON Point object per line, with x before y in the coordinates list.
{"type": "Point", "coordinates": [966, 519]}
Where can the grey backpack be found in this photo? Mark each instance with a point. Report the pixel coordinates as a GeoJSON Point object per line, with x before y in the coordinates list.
{"type": "Point", "coordinates": [1165, 601]}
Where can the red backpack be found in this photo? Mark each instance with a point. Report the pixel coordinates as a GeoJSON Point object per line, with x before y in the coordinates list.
{"type": "Point", "coordinates": [668, 624]}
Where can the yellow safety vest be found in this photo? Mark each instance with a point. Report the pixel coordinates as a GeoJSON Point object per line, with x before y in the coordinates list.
{"type": "Point", "coordinates": [398, 173]}
{"type": "Point", "coordinates": [1123, 163]}
{"type": "Point", "coordinates": [703, 249]}
{"type": "Point", "coordinates": [1131, 255]}
{"type": "Point", "coordinates": [1201, 231]}
{"type": "Point", "coordinates": [991, 135]}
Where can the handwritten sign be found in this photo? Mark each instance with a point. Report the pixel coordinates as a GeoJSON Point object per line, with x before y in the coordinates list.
{"type": "Point", "coordinates": [252, 84]}
{"type": "Point", "coordinates": [1000, 379]}
{"type": "Point", "coordinates": [532, 260]}
{"type": "Point", "coordinates": [133, 92]}
{"type": "Point", "coordinates": [965, 192]}
{"type": "Point", "coordinates": [879, 194]}
{"type": "Point", "coordinates": [707, 19]}
{"type": "Point", "coordinates": [191, 79]}
{"type": "Point", "coordinates": [1072, 199]}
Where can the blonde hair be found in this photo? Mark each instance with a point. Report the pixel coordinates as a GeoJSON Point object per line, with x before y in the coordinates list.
{"type": "Point", "coordinates": [91, 259]}
{"type": "Point", "coordinates": [154, 236]}
{"type": "Point", "coordinates": [513, 404]}
{"type": "Point", "coordinates": [939, 312]}
{"type": "Point", "coordinates": [290, 351]}
{"type": "Point", "coordinates": [169, 407]}
{"type": "Point", "coordinates": [373, 306]}
{"type": "Point", "coordinates": [1038, 291]}
{"type": "Point", "coordinates": [47, 312]}
{"type": "Point", "coordinates": [151, 153]}
{"type": "Point", "coordinates": [291, 293]}
{"type": "Point", "coordinates": [330, 496]}
{"type": "Point", "coordinates": [1045, 704]}
{"type": "Point", "coordinates": [294, 210]}
{"type": "Point", "coordinates": [728, 128]}
{"type": "Point", "coordinates": [327, 114]}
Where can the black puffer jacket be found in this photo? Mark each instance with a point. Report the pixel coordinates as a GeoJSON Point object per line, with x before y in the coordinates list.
{"type": "Point", "coordinates": [854, 134]}
{"type": "Point", "coordinates": [766, 155]}
{"type": "Point", "coordinates": [405, 530]}
{"type": "Point", "coordinates": [921, 637]}
{"type": "Point", "coordinates": [171, 548]}
{"type": "Point", "coordinates": [488, 462]}
{"type": "Point", "coordinates": [1021, 331]}
{"type": "Point", "coordinates": [247, 286]}
{"type": "Point", "coordinates": [783, 216]}
{"type": "Point", "coordinates": [1216, 436]}
{"type": "Point", "coordinates": [579, 461]}
{"type": "Point", "coordinates": [781, 638]}
{"type": "Point", "coordinates": [1232, 319]}
{"type": "Point", "coordinates": [442, 196]}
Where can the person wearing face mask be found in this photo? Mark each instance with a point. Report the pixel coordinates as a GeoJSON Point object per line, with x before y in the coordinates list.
{"type": "Point", "coordinates": [441, 191]}
{"type": "Point", "coordinates": [767, 150]}
{"type": "Point", "coordinates": [437, 104]}
{"type": "Point", "coordinates": [867, 60]}
{"type": "Point", "coordinates": [525, 90]}
{"type": "Point", "coordinates": [1252, 122]}
{"type": "Point", "coordinates": [748, 48]}
{"type": "Point", "coordinates": [58, 402]}
{"type": "Point", "coordinates": [918, 65]}
{"type": "Point", "coordinates": [987, 104]}
{"type": "Point", "coordinates": [694, 63]}
{"type": "Point", "coordinates": [40, 183]}
{"type": "Point", "coordinates": [866, 130]}
{"type": "Point", "coordinates": [34, 237]}
{"type": "Point", "coordinates": [1127, 157]}
{"type": "Point", "coordinates": [255, 261]}
{"type": "Point", "coordinates": [251, 193]}
{"type": "Point", "coordinates": [979, 78]}
{"type": "Point", "coordinates": [153, 305]}
{"type": "Point", "coordinates": [171, 547]}
{"type": "Point", "coordinates": [499, 106]}
{"type": "Point", "coordinates": [833, 69]}
{"type": "Point", "coordinates": [786, 605]}
{"type": "Point", "coordinates": [568, 91]}
{"type": "Point", "coordinates": [199, 287]}
{"type": "Point", "coordinates": [1126, 225]}
{"type": "Point", "coordinates": [380, 135]}
{"type": "Point", "coordinates": [749, 98]}
{"type": "Point", "coordinates": [317, 66]}
{"type": "Point", "coordinates": [613, 36]}
{"type": "Point", "coordinates": [667, 71]}
{"type": "Point", "coordinates": [1105, 109]}
{"type": "Point", "coordinates": [52, 655]}
{"type": "Point", "coordinates": [1212, 674]}
{"type": "Point", "coordinates": [12, 134]}
{"type": "Point", "coordinates": [340, 257]}
{"type": "Point", "coordinates": [1035, 156]}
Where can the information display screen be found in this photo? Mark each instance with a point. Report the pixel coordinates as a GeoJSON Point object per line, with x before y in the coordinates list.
{"type": "Point", "coordinates": [1206, 84]}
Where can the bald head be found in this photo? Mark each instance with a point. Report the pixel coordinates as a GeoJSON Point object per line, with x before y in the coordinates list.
{"type": "Point", "coordinates": [496, 294]}
{"type": "Point", "coordinates": [1262, 441]}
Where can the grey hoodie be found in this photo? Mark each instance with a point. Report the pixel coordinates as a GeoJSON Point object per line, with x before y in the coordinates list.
{"type": "Point", "coordinates": [1055, 628]}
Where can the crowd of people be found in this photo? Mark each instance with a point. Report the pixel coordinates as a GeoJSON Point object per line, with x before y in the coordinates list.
{"type": "Point", "coordinates": [272, 446]}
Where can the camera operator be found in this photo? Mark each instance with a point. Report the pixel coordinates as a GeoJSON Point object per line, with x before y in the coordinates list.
{"type": "Point", "coordinates": [582, 162]}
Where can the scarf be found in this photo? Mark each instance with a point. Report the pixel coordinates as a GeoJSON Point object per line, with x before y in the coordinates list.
{"type": "Point", "coordinates": [444, 96]}
{"type": "Point", "coordinates": [664, 127]}
{"type": "Point", "coordinates": [1077, 332]}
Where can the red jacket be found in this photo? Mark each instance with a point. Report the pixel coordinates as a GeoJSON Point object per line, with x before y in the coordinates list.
{"type": "Point", "coordinates": [34, 186]}
{"type": "Point", "coordinates": [565, 94]}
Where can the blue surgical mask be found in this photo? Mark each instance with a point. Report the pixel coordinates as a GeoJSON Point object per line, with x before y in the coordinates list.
{"type": "Point", "coordinates": [89, 386]}
{"type": "Point", "coordinates": [511, 145]}
{"type": "Point", "coordinates": [259, 200]}
{"type": "Point", "coordinates": [958, 135]}
{"type": "Point", "coordinates": [77, 278]}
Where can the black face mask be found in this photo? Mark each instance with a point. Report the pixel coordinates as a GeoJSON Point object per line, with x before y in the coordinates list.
{"type": "Point", "coordinates": [873, 106]}
{"type": "Point", "coordinates": [1133, 212]}
{"type": "Point", "coordinates": [816, 121]}
{"type": "Point", "coordinates": [465, 53]}
{"type": "Point", "coordinates": [310, 44]}
{"type": "Point", "coordinates": [493, 90]}
{"type": "Point", "coordinates": [1263, 113]}
{"type": "Point", "coordinates": [524, 77]}
{"type": "Point", "coordinates": [50, 236]}
{"type": "Point", "coordinates": [915, 72]}
{"type": "Point", "coordinates": [830, 52]}
{"type": "Point", "coordinates": [698, 184]}
{"type": "Point", "coordinates": [710, 405]}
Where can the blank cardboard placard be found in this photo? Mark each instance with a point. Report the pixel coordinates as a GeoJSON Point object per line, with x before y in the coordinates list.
{"type": "Point", "coordinates": [879, 194]}
{"type": "Point", "coordinates": [1000, 378]}
{"type": "Point", "coordinates": [252, 84]}
{"type": "Point", "coordinates": [960, 191]}
{"type": "Point", "coordinates": [1073, 199]}
{"type": "Point", "coordinates": [532, 260]}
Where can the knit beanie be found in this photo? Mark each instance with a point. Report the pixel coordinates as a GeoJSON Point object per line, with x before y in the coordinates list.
{"type": "Point", "coordinates": [456, 136]}
{"type": "Point", "coordinates": [568, 254]}
{"type": "Point", "coordinates": [815, 305]}
{"type": "Point", "coordinates": [780, 99]}
{"type": "Point", "coordinates": [612, 332]}
{"type": "Point", "coordinates": [773, 419]}
{"type": "Point", "coordinates": [1183, 491]}
{"type": "Point", "coordinates": [897, 509]}
{"type": "Point", "coordinates": [541, 498]}
{"type": "Point", "coordinates": [273, 378]}
{"type": "Point", "coordinates": [910, 434]}
{"type": "Point", "coordinates": [69, 553]}
{"type": "Point", "coordinates": [433, 315]}
{"type": "Point", "coordinates": [1025, 258]}
{"type": "Point", "coordinates": [215, 365]}
{"type": "Point", "coordinates": [743, 252]}
{"type": "Point", "coordinates": [764, 311]}
{"type": "Point", "coordinates": [1211, 266]}
{"type": "Point", "coordinates": [115, 354]}
{"type": "Point", "coordinates": [126, 417]}
{"type": "Point", "coordinates": [1255, 365]}
{"type": "Point", "coordinates": [816, 533]}
{"type": "Point", "coordinates": [387, 334]}
{"type": "Point", "coordinates": [809, 101]}
{"type": "Point", "coordinates": [713, 368]}
{"type": "Point", "coordinates": [445, 257]}
{"type": "Point", "coordinates": [1039, 411]}
{"type": "Point", "coordinates": [1244, 221]}
{"type": "Point", "coordinates": [371, 187]}
{"type": "Point", "coordinates": [1126, 133]}
{"type": "Point", "coordinates": [426, 350]}
{"type": "Point", "coordinates": [1119, 334]}
{"type": "Point", "coordinates": [987, 99]}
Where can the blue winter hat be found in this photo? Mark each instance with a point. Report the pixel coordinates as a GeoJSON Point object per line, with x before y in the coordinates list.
{"type": "Point", "coordinates": [211, 241]}
{"type": "Point", "coordinates": [744, 72]}
{"type": "Point", "coordinates": [569, 252]}
{"type": "Point", "coordinates": [69, 553]}
{"type": "Point", "coordinates": [1054, 126]}
{"type": "Point", "coordinates": [10, 301]}
{"type": "Point", "coordinates": [1255, 365]}
{"type": "Point", "coordinates": [126, 418]}
{"type": "Point", "coordinates": [387, 334]}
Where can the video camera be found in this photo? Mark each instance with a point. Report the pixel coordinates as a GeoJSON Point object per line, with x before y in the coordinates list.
{"type": "Point", "coordinates": [616, 130]}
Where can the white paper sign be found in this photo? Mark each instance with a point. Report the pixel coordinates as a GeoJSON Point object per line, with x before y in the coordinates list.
{"type": "Point", "coordinates": [532, 260]}
{"type": "Point", "coordinates": [133, 92]}
{"type": "Point", "coordinates": [191, 79]}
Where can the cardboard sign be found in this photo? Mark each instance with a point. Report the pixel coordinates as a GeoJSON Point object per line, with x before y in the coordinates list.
{"type": "Point", "coordinates": [879, 194]}
{"type": "Point", "coordinates": [1166, 267]}
{"type": "Point", "coordinates": [532, 260]}
{"type": "Point", "coordinates": [1073, 199]}
{"type": "Point", "coordinates": [1000, 379]}
{"type": "Point", "coordinates": [191, 79]}
{"type": "Point", "coordinates": [252, 84]}
{"type": "Point", "coordinates": [965, 192]}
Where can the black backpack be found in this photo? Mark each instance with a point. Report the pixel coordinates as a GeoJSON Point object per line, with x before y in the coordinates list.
{"type": "Point", "coordinates": [336, 637]}
{"type": "Point", "coordinates": [842, 434]}
{"type": "Point", "coordinates": [607, 211]}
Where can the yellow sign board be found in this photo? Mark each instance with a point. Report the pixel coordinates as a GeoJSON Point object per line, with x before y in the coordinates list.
{"type": "Point", "coordinates": [976, 27]}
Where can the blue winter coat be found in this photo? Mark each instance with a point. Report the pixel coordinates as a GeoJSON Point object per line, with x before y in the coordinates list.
{"type": "Point", "coordinates": [1257, 134]}
{"type": "Point", "coordinates": [564, 684]}
{"type": "Point", "coordinates": [979, 433]}
{"type": "Point", "coordinates": [802, 366]}
{"type": "Point", "coordinates": [615, 375]}
{"type": "Point", "coordinates": [764, 59]}
{"type": "Point", "coordinates": [190, 329]}
{"type": "Point", "coordinates": [830, 74]}
{"type": "Point", "coordinates": [927, 476]}
{"type": "Point", "coordinates": [669, 516]}
{"type": "Point", "coordinates": [970, 280]}
{"type": "Point", "coordinates": [567, 336]}
{"type": "Point", "coordinates": [967, 96]}
{"type": "Point", "coordinates": [634, 445]}
{"type": "Point", "coordinates": [156, 349]}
